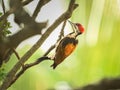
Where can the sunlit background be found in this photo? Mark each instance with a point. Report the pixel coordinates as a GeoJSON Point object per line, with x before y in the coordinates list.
{"type": "Point", "coordinates": [97, 55]}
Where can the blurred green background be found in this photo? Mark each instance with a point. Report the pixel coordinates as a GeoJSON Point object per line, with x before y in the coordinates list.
{"type": "Point", "coordinates": [97, 55]}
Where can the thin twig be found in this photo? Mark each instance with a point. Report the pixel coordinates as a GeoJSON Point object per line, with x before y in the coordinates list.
{"type": "Point", "coordinates": [60, 37]}
{"type": "Point", "coordinates": [62, 31]}
{"type": "Point", "coordinates": [14, 70]}
{"type": "Point", "coordinates": [17, 55]}
{"type": "Point", "coordinates": [3, 17]}
{"type": "Point", "coordinates": [26, 2]}
{"type": "Point", "coordinates": [49, 50]}
{"type": "Point", "coordinates": [3, 23]}
{"type": "Point", "coordinates": [3, 6]}
{"type": "Point", "coordinates": [13, 9]}
{"type": "Point", "coordinates": [38, 8]}
{"type": "Point", "coordinates": [26, 66]}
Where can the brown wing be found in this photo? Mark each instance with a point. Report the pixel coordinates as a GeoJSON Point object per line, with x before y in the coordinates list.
{"type": "Point", "coordinates": [64, 49]}
{"type": "Point", "coordinates": [59, 54]}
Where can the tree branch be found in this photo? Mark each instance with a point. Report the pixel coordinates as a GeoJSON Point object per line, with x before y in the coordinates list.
{"type": "Point", "coordinates": [62, 31]}
{"type": "Point", "coordinates": [12, 9]}
{"type": "Point", "coordinates": [17, 66]}
{"type": "Point", "coordinates": [38, 8]}
{"type": "Point", "coordinates": [31, 28]}
{"type": "Point", "coordinates": [15, 52]}
{"type": "Point", "coordinates": [14, 40]}
{"type": "Point", "coordinates": [39, 60]}
{"type": "Point", "coordinates": [25, 33]}
{"type": "Point", "coordinates": [27, 66]}
{"type": "Point", "coordinates": [60, 36]}
{"type": "Point", "coordinates": [26, 2]}
{"type": "Point", "coordinates": [3, 6]}
{"type": "Point", "coordinates": [105, 84]}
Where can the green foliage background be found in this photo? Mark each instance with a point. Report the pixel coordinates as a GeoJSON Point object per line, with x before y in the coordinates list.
{"type": "Point", "coordinates": [97, 55]}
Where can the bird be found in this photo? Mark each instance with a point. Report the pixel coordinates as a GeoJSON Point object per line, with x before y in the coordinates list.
{"type": "Point", "coordinates": [67, 44]}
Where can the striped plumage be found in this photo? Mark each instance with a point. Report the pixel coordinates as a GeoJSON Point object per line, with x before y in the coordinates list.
{"type": "Point", "coordinates": [67, 45]}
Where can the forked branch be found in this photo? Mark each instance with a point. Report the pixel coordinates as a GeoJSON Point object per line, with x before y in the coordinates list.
{"type": "Point", "coordinates": [10, 76]}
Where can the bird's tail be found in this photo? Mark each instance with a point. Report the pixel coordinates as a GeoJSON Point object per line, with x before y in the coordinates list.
{"type": "Point", "coordinates": [53, 66]}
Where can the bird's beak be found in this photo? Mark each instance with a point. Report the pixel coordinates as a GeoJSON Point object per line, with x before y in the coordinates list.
{"type": "Point", "coordinates": [70, 23]}
{"type": "Point", "coordinates": [73, 26]}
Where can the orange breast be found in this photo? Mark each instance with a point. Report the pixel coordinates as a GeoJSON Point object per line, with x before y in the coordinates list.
{"type": "Point", "coordinates": [69, 49]}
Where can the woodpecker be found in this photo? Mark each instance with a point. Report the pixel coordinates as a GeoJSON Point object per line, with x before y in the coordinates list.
{"type": "Point", "coordinates": [67, 45]}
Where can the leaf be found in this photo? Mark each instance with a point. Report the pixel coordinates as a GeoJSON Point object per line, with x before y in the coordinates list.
{"type": "Point", "coordinates": [0, 13]}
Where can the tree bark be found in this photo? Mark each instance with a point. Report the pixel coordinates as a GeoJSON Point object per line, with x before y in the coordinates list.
{"type": "Point", "coordinates": [28, 29]}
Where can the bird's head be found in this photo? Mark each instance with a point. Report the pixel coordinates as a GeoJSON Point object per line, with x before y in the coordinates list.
{"type": "Point", "coordinates": [77, 27]}
{"type": "Point", "coordinates": [80, 28]}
